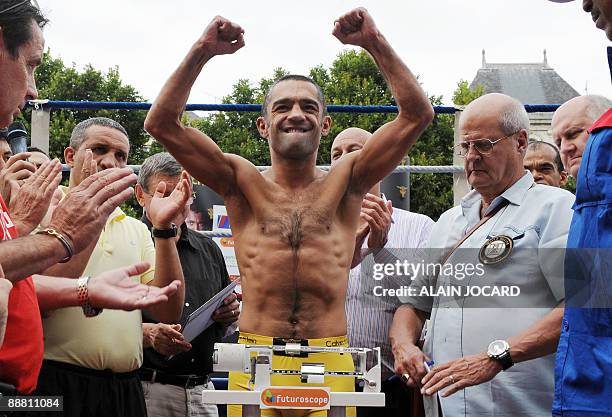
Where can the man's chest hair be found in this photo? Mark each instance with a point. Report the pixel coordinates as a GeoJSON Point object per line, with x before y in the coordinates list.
{"type": "Point", "coordinates": [296, 223]}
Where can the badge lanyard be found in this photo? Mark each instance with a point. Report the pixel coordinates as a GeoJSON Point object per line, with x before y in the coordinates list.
{"type": "Point", "coordinates": [474, 228]}
{"type": "Point", "coordinates": [454, 248]}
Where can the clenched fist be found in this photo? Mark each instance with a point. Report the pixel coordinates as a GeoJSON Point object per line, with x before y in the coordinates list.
{"type": "Point", "coordinates": [222, 36]}
{"type": "Point", "coordinates": [356, 28]}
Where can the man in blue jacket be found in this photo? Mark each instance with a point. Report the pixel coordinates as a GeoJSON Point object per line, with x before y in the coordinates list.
{"type": "Point", "coordinates": [583, 374]}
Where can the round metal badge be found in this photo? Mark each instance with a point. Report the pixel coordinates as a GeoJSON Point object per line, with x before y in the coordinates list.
{"type": "Point", "coordinates": [496, 250]}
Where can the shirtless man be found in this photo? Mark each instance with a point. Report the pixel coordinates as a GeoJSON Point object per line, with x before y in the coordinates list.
{"type": "Point", "coordinates": [294, 225]}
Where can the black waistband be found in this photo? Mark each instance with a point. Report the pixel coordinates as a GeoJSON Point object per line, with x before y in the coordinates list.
{"type": "Point", "coordinates": [106, 373]}
{"type": "Point", "coordinates": [185, 381]}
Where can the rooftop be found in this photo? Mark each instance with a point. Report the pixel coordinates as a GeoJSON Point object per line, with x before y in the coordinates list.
{"type": "Point", "coordinates": [530, 83]}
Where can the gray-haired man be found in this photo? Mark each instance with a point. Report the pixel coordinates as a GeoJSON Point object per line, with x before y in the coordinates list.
{"type": "Point", "coordinates": [582, 127]}
{"type": "Point", "coordinates": [174, 387]}
{"type": "Point", "coordinates": [96, 373]}
{"type": "Point", "coordinates": [472, 339]}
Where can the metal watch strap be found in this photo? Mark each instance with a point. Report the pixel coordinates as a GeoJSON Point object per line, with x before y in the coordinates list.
{"type": "Point", "coordinates": [83, 296]}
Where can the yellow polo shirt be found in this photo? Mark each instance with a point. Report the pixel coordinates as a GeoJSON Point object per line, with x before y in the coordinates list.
{"type": "Point", "coordinates": [113, 339]}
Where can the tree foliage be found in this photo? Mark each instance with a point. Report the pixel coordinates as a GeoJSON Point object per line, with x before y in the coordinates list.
{"type": "Point", "coordinates": [56, 81]}
{"type": "Point", "coordinates": [352, 79]}
{"type": "Point", "coordinates": [464, 95]}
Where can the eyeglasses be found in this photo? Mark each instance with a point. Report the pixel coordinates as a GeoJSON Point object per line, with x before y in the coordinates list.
{"type": "Point", "coordinates": [483, 146]}
{"type": "Point", "coordinates": [34, 3]}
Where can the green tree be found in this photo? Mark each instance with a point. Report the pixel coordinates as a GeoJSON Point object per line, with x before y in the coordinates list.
{"type": "Point", "coordinates": [464, 95]}
{"type": "Point", "coordinates": [56, 81]}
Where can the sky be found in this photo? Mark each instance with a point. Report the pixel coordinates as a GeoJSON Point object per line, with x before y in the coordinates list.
{"type": "Point", "coordinates": [440, 40]}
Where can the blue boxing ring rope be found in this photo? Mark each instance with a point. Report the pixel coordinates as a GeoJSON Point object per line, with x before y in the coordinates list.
{"type": "Point", "coordinates": [103, 105]}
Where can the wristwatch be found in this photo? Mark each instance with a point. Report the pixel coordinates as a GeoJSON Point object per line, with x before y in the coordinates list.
{"type": "Point", "coordinates": [165, 233]}
{"type": "Point", "coordinates": [83, 296]}
{"type": "Point", "coordinates": [499, 350]}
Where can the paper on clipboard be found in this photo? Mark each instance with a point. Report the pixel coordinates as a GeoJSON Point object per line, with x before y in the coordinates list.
{"type": "Point", "coordinates": [201, 319]}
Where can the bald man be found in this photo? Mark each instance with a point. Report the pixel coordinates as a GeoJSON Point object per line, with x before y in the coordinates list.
{"type": "Point", "coordinates": [570, 127]}
{"type": "Point", "coordinates": [472, 340]}
{"type": "Point", "coordinates": [386, 233]}
{"type": "Point", "coordinates": [586, 339]}
{"type": "Point", "coordinates": [583, 129]}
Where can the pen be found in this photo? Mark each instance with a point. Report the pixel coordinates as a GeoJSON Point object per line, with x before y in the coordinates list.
{"type": "Point", "coordinates": [385, 201]}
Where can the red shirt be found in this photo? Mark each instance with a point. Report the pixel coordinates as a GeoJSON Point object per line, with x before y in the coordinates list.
{"type": "Point", "coordinates": [604, 121]}
{"type": "Point", "coordinates": [22, 351]}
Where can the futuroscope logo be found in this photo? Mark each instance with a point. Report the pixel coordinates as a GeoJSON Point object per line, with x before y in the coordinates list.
{"type": "Point", "coordinates": [292, 397]}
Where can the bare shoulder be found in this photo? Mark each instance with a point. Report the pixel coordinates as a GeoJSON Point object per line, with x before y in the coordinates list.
{"type": "Point", "coordinates": [240, 163]}
{"type": "Point", "coordinates": [341, 175]}
{"type": "Point", "coordinates": [248, 180]}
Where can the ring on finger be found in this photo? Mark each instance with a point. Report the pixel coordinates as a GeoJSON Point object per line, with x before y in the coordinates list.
{"type": "Point", "coordinates": [451, 378]}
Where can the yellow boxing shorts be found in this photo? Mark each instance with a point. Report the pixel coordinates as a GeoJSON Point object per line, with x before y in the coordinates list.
{"type": "Point", "coordinates": [333, 362]}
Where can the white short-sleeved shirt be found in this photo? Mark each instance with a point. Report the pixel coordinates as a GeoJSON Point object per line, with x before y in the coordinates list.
{"type": "Point", "coordinates": [369, 317]}
{"type": "Point", "coordinates": [537, 219]}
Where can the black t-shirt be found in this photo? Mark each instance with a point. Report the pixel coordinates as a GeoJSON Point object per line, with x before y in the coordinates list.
{"type": "Point", "coordinates": [205, 275]}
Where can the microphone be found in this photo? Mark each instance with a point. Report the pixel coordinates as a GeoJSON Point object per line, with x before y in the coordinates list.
{"type": "Point", "coordinates": [17, 137]}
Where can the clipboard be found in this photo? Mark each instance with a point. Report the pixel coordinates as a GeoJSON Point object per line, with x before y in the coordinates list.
{"type": "Point", "coordinates": [201, 319]}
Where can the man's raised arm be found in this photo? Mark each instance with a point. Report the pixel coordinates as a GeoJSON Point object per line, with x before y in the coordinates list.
{"type": "Point", "coordinates": [195, 151]}
{"type": "Point", "coordinates": [383, 152]}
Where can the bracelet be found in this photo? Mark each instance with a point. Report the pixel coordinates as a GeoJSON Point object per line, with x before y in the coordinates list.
{"type": "Point", "coordinates": [83, 296]}
{"type": "Point", "coordinates": [67, 245]}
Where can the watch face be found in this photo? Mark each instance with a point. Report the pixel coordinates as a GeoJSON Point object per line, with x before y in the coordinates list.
{"type": "Point", "coordinates": [497, 347]}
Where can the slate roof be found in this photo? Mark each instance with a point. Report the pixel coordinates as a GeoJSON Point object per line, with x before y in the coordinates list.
{"type": "Point", "coordinates": [530, 83]}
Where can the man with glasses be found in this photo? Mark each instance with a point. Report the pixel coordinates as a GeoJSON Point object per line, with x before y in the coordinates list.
{"type": "Point", "coordinates": [507, 228]}
{"type": "Point", "coordinates": [37, 156]}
